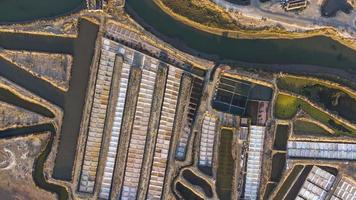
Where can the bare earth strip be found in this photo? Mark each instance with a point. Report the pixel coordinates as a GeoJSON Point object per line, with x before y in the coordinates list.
{"type": "Point", "coordinates": [14, 117]}
{"type": "Point", "coordinates": [16, 160]}
{"type": "Point", "coordinates": [249, 33]}
{"type": "Point", "coordinates": [53, 68]}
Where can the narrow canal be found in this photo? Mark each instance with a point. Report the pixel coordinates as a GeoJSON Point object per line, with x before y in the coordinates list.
{"type": "Point", "coordinates": [8, 97]}
{"type": "Point", "coordinates": [74, 99]}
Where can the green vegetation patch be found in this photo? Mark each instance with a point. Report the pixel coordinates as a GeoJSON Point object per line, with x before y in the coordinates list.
{"type": "Point", "coordinates": [199, 13]}
{"type": "Point", "coordinates": [335, 100]}
{"type": "Point", "coordinates": [281, 137]}
{"type": "Point", "coordinates": [278, 163]}
{"type": "Point", "coordinates": [226, 165]}
{"type": "Point", "coordinates": [301, 127]}
{"type": "Point", "coordinates": [287, 106]}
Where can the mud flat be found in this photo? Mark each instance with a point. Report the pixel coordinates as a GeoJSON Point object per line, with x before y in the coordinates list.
{"type": "Point", "coordinates": [51, 67]}
{"type": "Point", "coordinates": [12, 116]}
{"type": "Point", "coordinates": [16, 177]}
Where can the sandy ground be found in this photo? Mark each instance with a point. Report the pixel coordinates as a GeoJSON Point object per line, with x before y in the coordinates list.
{"type": "Point", "coordinates": [16, 181]}
{"type": "Point", "coordinates": [16, 117]}
{"type": "Point", "coordinates": [59, 26]}
{"type": "Point", "coordinates": [55, 68]}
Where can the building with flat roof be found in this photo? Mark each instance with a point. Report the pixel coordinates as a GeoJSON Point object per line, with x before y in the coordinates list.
{"type": "Point", "coordinates": [317, 184]}
{"type": "Point", "coordinates": [194, 101]}
{"type": "Point", "coordinates": [164, 134]}
{"type": "Point", "coordinates": [207, 141]}
{"type": "Point", "coordinates": [345, 190]}
{"type": "Point", "coordinates": [321, 150]}
{"type": "Point", "coordinates": [289, 5]}
{"type": "Point", "coordinates": [254, 162]}
{"type": "Point", "coordinates": [97, 120]}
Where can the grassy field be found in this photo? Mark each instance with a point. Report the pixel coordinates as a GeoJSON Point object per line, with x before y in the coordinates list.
{"type": "Point", "coordinates": [195, 11]}
{"type": "Point", "coordinates": [293, 84]}
{"type": "Point", "coordinates": [307, 128]}
{"type": "Point", "coordinates": [226, 164]}
{"type": "Point", "coordinates": [281, 137]}
{"type": "Point", "coordinates": [287, 106]}
{"type": "Point", "coordinates": [342, 102]}
{"type": "Point", "coordinates": [296, 84]}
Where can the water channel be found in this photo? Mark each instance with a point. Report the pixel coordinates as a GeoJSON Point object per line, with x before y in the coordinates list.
{"type": "Point", "coordinates": [14, 11]}
{"type": "Point", "coordinates": [72, 102]}
{"type": "Point", "coordinates": [319, 51]}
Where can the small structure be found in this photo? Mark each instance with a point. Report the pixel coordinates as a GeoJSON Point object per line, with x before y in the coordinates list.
{"type": "Point", "coordinates": [139, 131]}
{"type": "Point", "coordinates": [262, 113]}
{"type": "Point", "coordinates": [321, 150]}
{"type": "Point", "coordinates": [345, 189]}
{"type": "Point", "coordinates": [207, 141]}
{"type": "Point", "coordinates": [317, 184]}
{"type": "Point", "coordinates": [244, 121]}
{"type": "Point", "coordinates": [254, 162]}
{"type": "Point", "coordinates": [243, 130]}
{"type": "Point", "coordinates": [164, 135]}
{"type": "Point", "coordinates": [194, 101]}
{"type": "Point", "coordinates": [289, 5]}
{"type": "Point", "coordinates": [97, 118]}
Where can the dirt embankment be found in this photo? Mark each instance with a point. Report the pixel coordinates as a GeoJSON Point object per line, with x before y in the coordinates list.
{"type": "Point", "coordinates": [221, 24]}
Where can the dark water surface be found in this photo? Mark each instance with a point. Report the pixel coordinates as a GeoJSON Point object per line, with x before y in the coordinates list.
{"type": "Point", "coordinates": [36, 42]}
{"type": "Point", "coordinates": [13, 11]}
{"type": "Point", "coordinates": [321, 51]}
{"type": "Point", "coordinates": [72, 102]}
{"type": "Point", "coordinates": [329, 8]}
{"type": "Point", "coordinates": [8, 97]}
{"type": "Point", "coordinates": [31, 42]}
